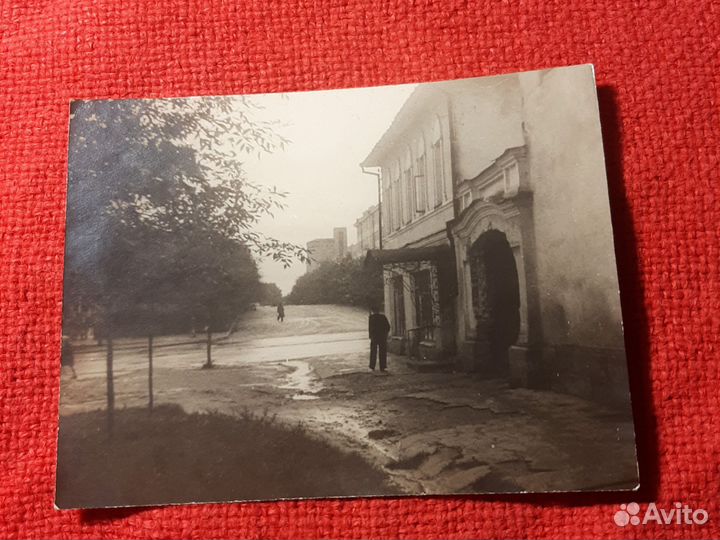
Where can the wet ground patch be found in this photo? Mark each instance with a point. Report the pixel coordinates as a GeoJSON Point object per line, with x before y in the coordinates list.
{"type": "Point", "coordinates": [377, 434]}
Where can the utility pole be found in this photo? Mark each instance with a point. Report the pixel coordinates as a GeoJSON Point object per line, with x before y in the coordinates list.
{"type": "Point", "coordinates": [208, 363]}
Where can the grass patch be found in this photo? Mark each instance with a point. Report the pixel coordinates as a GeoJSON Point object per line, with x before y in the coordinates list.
{"type": "Point", "coordinates": [170, 456]}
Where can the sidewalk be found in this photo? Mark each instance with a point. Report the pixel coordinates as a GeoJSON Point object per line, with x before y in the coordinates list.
{"type": "Point", "coordinates": [451, 432]}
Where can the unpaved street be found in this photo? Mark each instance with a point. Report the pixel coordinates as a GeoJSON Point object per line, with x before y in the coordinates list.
{"type": "Point", "coordinates": [430, 432]}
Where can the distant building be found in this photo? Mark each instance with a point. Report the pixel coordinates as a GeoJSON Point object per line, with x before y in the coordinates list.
{"type": "Point", "coordinates": [498, 253]}
{"type": "Point", "coordinates": [367, 228]}
{"type": "Point", "coordinates": [320, 250]}
{"type": "Point", "coordinates": [327, 249]}
{"type": "Point", "coordinates": [341, 245]}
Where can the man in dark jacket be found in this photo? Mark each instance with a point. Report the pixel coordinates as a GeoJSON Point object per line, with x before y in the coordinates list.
{"type": "Point", "coordinates": [378, 328]}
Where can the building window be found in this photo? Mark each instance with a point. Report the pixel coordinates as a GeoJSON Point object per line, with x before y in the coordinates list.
{"type": "Point", "coordinates": [397, 198]}
{"type": "Point", "coordinates": [398, 326]}
{"type": "Point", "coordinates": [408, 198]}
{"type": "Point", "coordinates": [438, 172]}
{"type": "Point", "coordinates": [420, 185]}
{"type": "Point", "coordinates": [396, 206]}
{"type": "Point", "coordinates": [423, 301]}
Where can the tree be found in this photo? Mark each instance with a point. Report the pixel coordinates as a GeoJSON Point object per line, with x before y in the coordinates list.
{"type": "Point", "coordinates": [270, 294]}
{"type": "Point", "coordinates": [161, 216]}
{"type": "Point", "coordinates": [170, 287]}
{"type": "Point", "coordinates": [159, 204]}
{"type": "Point", "coordinates": [346, 282]}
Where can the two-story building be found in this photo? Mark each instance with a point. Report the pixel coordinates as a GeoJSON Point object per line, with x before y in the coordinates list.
{"type": "Point", "coordinates": [367, 229]}
{"type": "Point", "coordinates": [498, 252]}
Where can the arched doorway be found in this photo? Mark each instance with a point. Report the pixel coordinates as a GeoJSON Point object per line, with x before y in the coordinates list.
{"type": "Point", "coordinates": [495, 301]}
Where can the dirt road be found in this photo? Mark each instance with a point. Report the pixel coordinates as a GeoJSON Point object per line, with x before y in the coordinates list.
{"type": "Point", "coordinates": [430, 432]}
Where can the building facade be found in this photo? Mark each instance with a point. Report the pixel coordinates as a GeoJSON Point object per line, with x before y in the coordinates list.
{"type": "Point", "coordinates": [340, 242]}
{"type": "Point", "coordinates": [327, 249]}
{"type": "Point", "coordinates": [367, 228]}
{"type": "Point", "coordinates": [498, 252]}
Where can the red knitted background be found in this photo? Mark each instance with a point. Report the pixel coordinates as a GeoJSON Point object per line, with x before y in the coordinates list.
{"type": "Point", "coordinates": [658, 66]}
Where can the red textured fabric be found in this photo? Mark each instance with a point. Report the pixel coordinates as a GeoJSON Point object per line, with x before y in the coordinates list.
{"type": "Point", "coordinates": [658, 66]}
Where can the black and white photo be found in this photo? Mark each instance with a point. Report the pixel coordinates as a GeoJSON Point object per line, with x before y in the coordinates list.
{"type": "Point", "coordinates": [388, 291]}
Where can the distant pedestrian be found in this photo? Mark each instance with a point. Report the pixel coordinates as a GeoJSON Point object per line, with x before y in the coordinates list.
{"type": "Point", "coordinates": [378, 330]}
{"type": "Point", "coordinates": [67, 355]}
{"type": "Point", "coordinates": [280, 312]}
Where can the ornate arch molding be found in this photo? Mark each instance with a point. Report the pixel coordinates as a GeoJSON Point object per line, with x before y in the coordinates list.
{"type": "Point", "coordinates": [482, 216]}
{"type": "Point", "coordinates": [511, 216]}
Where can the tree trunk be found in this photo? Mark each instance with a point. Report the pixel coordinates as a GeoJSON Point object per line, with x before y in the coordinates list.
{"type": "Point", "coordinates": [208, 363]}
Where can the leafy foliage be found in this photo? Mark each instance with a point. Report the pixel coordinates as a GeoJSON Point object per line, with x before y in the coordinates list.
{"type": "Point", "coordinates": [346, 282]}
{"type": "Point", "coordinates": [161, 214]}
{"type": "Point", "coordinates": [270, 294]}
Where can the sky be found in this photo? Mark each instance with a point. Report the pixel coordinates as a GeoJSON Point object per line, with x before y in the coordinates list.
{"type": "Point", "coordinates": [330, 133]}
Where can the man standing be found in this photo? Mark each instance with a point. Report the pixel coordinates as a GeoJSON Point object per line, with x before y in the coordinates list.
{"type": "Point", "coordinates": [280, 312]}
{"type": "Point", "coordinates": [378, 328]}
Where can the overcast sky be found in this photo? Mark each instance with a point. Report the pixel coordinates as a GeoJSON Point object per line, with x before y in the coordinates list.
{"type": "Point", "coordinates": [331, 132]}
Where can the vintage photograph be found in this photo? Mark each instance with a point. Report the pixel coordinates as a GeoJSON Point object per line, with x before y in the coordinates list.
{"type": "Point", "coordinates": [390, 291]}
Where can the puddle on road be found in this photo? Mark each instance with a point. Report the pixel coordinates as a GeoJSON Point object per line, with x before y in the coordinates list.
{"type": "Point", "coordinates": [302, 380]}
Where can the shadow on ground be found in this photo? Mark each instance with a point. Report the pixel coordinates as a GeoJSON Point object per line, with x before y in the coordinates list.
{"type": "Point", "coordinates": [168, 456]}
